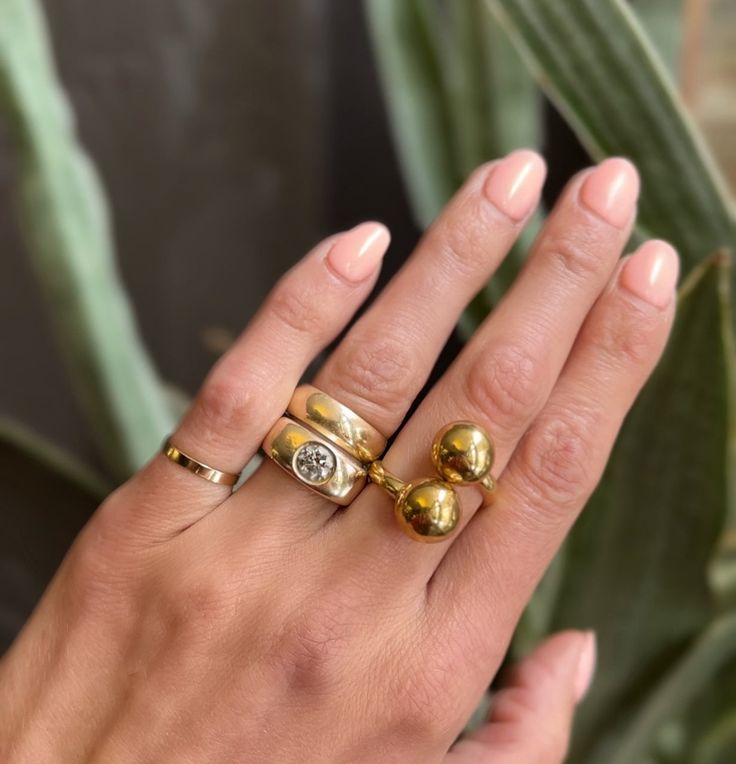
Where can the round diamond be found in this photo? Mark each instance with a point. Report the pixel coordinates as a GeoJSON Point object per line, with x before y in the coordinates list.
{"type": "Point", "coordinates": [314, 463]}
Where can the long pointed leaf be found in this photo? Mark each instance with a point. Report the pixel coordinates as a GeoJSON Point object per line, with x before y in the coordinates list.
{"type": "Point", "coordinates": [412, 83]}
{"type": "Point", "coordinates": [67, 229]}
{"type": "Point", "coordinates": [594, 61]}
{"type": "Point", "coordinates": [697, 668]}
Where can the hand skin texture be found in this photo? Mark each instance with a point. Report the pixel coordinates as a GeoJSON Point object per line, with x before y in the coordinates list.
{"type": "Point", "coordinates": [189, 624]}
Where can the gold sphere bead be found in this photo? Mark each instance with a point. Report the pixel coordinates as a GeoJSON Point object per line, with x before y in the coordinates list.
{"type": "Point", "coordinates": [462, 453]}
{"type": "Point", "coordinates": [428, 510]}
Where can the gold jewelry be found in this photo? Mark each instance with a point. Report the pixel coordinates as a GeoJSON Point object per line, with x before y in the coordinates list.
{"type": "Point", "coordinates": [462, 452]}
{"type": "Point", "coordinates": [198, 468]}
{"type": "Point", "coordinates": [314, 461]}
{"type": "Point", "coordinates": [428, 509]}
{"type": "Point", "coordinates": [336, 422]}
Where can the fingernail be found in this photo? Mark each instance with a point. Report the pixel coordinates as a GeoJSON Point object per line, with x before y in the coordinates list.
{"type": "Point", "coordinates": [611, 190]}
{"type": "Point", "coordinates": [515, 183]}
{"type": "Point", "coordinates": [586, 666]}
{"type": "Point", "coordinates": [651, 273]}
{"type": "Point", "coordinates": [357, 253]}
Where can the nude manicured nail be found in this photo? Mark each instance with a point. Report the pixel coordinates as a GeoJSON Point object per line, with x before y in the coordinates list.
{"type": "Point", "coordinates": [515, 183]}
{"type": "Point", "coordinates": [586, 666]}
{"type": "Point", "coordinates": [611, 190]}
{"type": "Point", "coordinates": [357, 253]}
{"type": "Point", "coordinates": [651, 273]}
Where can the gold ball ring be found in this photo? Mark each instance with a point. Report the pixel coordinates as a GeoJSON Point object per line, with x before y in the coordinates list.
{"type": "Point", "coordinates": [463, 453]}
{"type": "Point", "coordinates": [428, 509]}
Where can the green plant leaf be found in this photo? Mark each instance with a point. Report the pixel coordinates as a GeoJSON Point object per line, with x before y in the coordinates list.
{"type": "Point", "coordinates": [697, 668]}
{"type": "Point", "coordinates": [637, 560]}
{"type": "Point", "coordinates": [718, 746]}
{"type": "Point", "coordinates": [723, 566]}
{"type": "Point", "coordinates": [494, 104]}
{"type": "Point", "coordinates": [593, 60]}
{"type": "Point", "coordinates": [662, 20]}
{"type": "Point", "coordinates": [706, 729]}
{"type": "Point", "coordinates": [409, 68]}
{"type": "Point", "coordinates": [67, 229]}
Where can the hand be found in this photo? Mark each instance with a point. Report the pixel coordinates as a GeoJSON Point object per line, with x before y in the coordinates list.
{"type": "Point", "coordinates": [187, 624]}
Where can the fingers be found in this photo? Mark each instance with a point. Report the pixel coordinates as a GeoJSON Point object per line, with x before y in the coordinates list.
{"type": "Point", "coordinates": [531, 716]}
{"type": "Point", "coordinates": [504, 376]}
{"type": "Point", "coordinates": [384, 361]}
{"type": "Point", "coordinates": [250, 386]}
{"type": "Point", "coordinates": [504, 551]}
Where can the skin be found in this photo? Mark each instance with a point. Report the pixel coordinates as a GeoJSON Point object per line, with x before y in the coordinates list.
{"type": "Point", "coordinates": [187, 624]}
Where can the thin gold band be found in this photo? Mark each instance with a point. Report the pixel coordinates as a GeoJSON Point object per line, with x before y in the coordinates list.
{"type": "Point", "coordinates": [198, 468]}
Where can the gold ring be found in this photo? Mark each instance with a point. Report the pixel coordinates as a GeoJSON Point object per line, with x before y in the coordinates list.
{"type": "Point", "coordinates": [315, 461]}
{"type": "Point", "coordinates": [428, 509]}
{"type": "Point", "coordinates": [198, 468]}
{"type": "Point", "coordinates": [337, 423]}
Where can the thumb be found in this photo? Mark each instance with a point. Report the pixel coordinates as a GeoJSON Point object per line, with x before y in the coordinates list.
{"type": "Point", "coordinates": [531, 716]}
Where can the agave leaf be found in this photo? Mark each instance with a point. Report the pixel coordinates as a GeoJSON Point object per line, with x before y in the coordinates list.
{"type": "Point", "coordinates": [67, 229]}
{"type": "Point", "coordinates": [662, 20]}
{"type": "Point", "coordinates": [494, 104]}
{"type": "Point", "coordinates": [719, 744]}
{"type": "Point", "coordinates": [723, 566]}
{"type": "Point", "coordinates": [697, 668]}
{"type": "Point", "coordinates": [593, 60]}
{"type": "Point", "coordinates": [707, 728]}
{"type": "Point", "coordinates": [637, 560]}
{"type": "Point", "coordinates": [409, 69]}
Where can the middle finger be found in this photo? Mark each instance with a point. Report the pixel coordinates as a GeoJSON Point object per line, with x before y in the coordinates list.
{"type": "Point", "coordinates": [504, 376]}
{"type": "Point", "coordinates": [383, 362]}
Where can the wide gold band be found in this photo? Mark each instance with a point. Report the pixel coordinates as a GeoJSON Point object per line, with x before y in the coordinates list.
{"type": "Point", "coordinates": [198, 468]}
{"type": "Point", "coordinates": [337, 423]}
{"type": "Point", "coordinates": [315, 461]}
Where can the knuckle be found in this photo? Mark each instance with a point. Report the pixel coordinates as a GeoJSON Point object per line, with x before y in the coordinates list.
{"type": "Point", "coordinates": [578, 257]}
{"type": "Point", "coordinates": [504, 385]}
{"type": "Point", "coordinates": [314, 648]}
{"type": "Point", "coordinates": [296, 307]}
{"type": "Point", "coordinates": [199, 603]}
{"type": "Point", "coordinates": [419, 705]}
{"type": "Point", "coordinates": [555, 457]}
{"type": "Point", "coordinates": [380, 370]}
{"type": "Point", "coordinates": [463, 249]}
{"type": "Point", "coordinates": [626, 333]}
{"type": "Point", "coordinates": [223, 406]}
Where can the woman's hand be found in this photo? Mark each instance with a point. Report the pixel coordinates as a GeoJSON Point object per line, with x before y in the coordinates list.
{"type": "Point", "coordinates": [187, 624]}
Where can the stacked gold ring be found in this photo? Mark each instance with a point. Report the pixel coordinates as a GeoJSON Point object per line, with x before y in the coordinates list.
{"type": "Point", "coordinates": [331, 450]}
{"type": "Point", "coordinates": [325, 445]}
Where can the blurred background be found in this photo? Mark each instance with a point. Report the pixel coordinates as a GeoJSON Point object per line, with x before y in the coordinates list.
{"type": "Point", "coordinates": [231, 135]}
